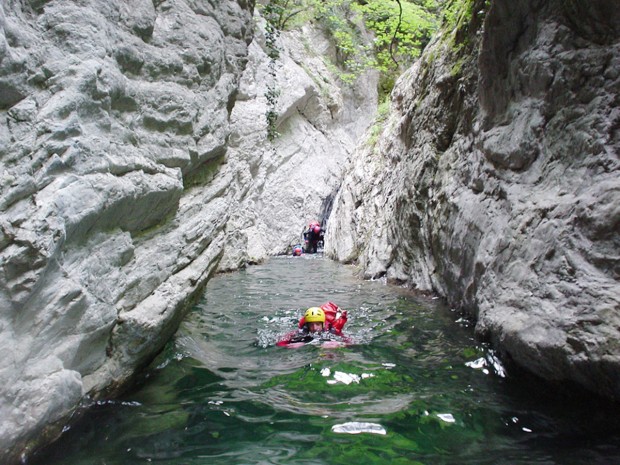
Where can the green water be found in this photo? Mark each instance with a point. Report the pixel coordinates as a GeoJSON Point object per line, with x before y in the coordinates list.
{"type": "Point", "coordinates": [222, 393]}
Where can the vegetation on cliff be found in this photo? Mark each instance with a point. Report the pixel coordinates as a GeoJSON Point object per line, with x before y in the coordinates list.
{"type": "Point", "coordinates": [385, 35]}
{"type": "Point", "coordinates": [400, 29]}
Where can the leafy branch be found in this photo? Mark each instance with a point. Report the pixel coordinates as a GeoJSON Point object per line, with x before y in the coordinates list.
{"type": "Point", "coordinates": [274, 14]}
{"type": "Point", "coordinates": [400, 29]}
{"type": "Point", "coordinates": [400, 20]}
{"type": "Point", "coordinates": [280, 12]}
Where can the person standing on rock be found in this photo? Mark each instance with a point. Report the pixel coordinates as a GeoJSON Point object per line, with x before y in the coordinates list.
{"type": "Point", "coordinates": [312, 236]}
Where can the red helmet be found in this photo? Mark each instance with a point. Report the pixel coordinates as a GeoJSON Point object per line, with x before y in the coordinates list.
{"type": "Point", "coordinates": [317, 229]}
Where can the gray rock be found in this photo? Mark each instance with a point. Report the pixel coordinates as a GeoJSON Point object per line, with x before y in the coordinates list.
{"type": "Point", "coordinates": [287, 183]}
{"type": "Point", "coordinates": [100, 104]}
{"type": "Point", "coordinates": [134, 164]}
{"type": "Point", "coordinates": [495, 184]}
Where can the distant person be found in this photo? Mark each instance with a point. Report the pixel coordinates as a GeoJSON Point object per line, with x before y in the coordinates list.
{"type": "Point", "coordinates": [313, 236]}
{"type": "Point", "coordinates": [319, 323]}
{"type": "Point", "coordinates": [297, 250]}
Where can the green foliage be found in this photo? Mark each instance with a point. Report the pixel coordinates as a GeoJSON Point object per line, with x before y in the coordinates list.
{"type": "Point", "coordinates": [276, 16]}
{"type": "Point", "coordinates": [271, 115]}
{"type": "Point", "coordinates": [283, 14]}
{"type": "Point", "coordinates": [457, 67]}
{"type": "Point", "coordinates": [382, 113]}
{"type": "Point", "coordinates": [401, 29]}
{"type": "Point", "coordinates": [458, 16]}
{"type": "Point", "coordinates": [343, 23]}
{"type": "Point", "coordinates": [457, 12]}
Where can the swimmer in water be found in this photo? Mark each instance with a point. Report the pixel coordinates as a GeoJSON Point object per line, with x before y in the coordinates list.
{"type": "Point", "coordinates": [322, 322]}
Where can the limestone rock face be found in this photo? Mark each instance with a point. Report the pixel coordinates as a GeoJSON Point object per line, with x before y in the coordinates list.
{"type": "Point", "coordinates": [107, 108]}
{"type": "Point", "coordinates": [134, 164]}
{"type": "Point", "coordinates": [496, 184]}
{"type": "Point", "coordinates": [291, 181]}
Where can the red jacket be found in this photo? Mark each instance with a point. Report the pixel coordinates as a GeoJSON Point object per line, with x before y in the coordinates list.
{"type": "Point", "coordinates": [332, 323]}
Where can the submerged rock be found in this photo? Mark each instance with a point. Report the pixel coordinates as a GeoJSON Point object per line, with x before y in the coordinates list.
{"type": "Point", "coordinates": [358, 427]}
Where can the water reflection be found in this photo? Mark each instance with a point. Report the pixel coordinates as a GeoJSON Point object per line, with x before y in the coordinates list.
{"type": "Point", "coordinates": [222, 393]}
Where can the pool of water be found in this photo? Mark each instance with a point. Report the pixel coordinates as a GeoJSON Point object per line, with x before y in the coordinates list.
{"type": "Point", "coordinates": [415, 387]}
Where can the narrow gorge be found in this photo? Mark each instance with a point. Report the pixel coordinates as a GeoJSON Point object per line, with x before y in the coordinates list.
{"type": "Point", "coordinates": [136, 162]}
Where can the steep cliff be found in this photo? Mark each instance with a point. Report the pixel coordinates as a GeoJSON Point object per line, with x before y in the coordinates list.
{"type": "Point", "coordinates": [134, 163]}
{"type": "Point", "coordinates": [495, 183]}
{"type": "Point", "coordinates": [292, 180]}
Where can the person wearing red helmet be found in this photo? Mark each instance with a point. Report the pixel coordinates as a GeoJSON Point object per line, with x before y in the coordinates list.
{"type": "Point", "coordinates": [313, 236]}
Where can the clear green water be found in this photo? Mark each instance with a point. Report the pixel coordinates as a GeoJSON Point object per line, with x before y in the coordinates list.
{"type": "Point", "coordinates": [222, 393]}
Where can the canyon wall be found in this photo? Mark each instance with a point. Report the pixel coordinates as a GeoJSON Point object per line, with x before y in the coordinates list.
{"type": "Point", "coordinates": [495, 183]}
{"type": "Point", "coordinates": [134, 164]}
